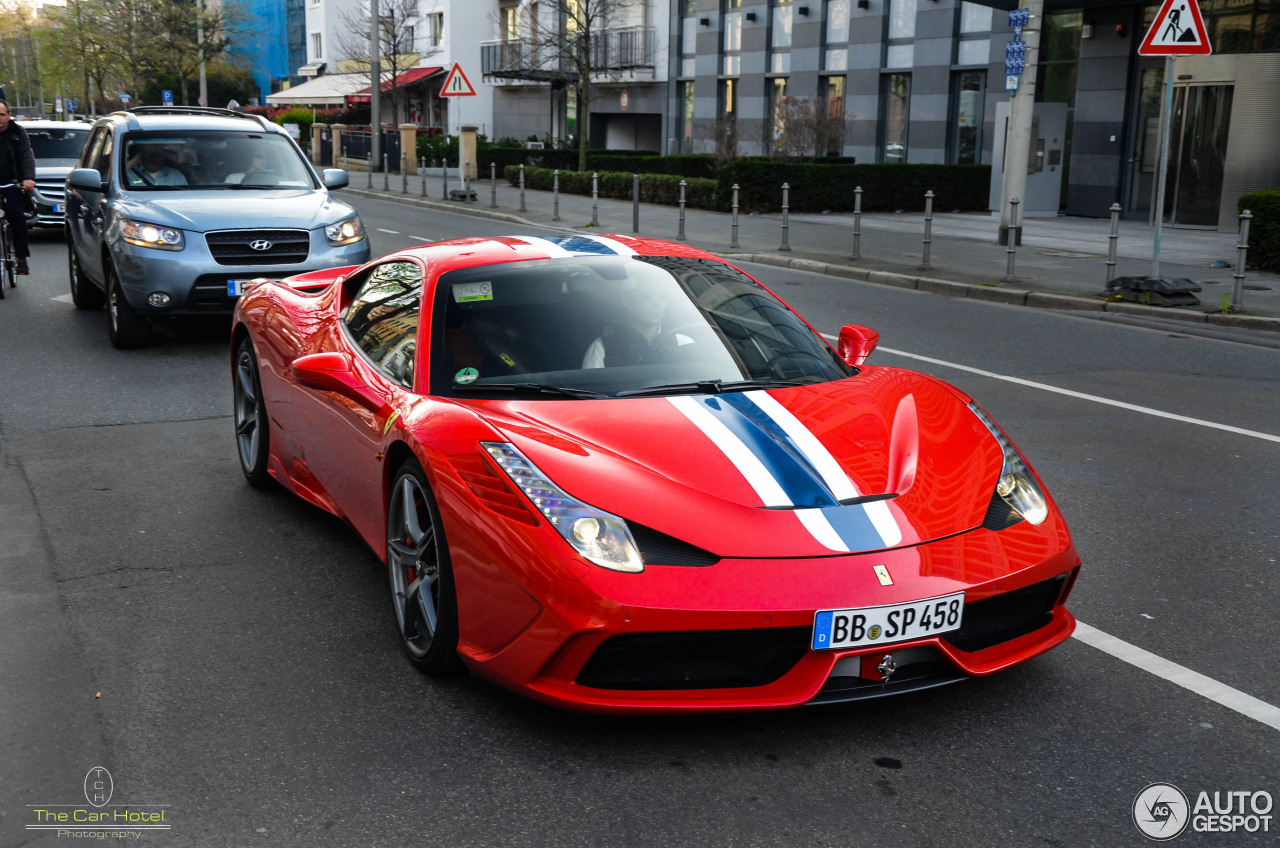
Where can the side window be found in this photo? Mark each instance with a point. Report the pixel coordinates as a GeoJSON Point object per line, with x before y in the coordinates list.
{"type": "Point", "coordinates": [89, 157]}
{"type": "Point", "coordinates": [383, 318]}
{"type": "Point", "coordinates": [103, 160]}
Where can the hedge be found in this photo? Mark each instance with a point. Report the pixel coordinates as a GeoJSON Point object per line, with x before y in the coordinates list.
{"type": "Point", "coordinates": [885, 188]}
{"type": "Point", "coordinates": [654, 188]}
{"type": "Point", "coordinates": [1264, 229]}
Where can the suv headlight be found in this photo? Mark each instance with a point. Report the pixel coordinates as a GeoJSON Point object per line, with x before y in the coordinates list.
{"type": "Point", "coordinates": [151, 235]}
{"type": "Point", "coordinates": [1017, 485]}
{"type": "Point", "coordinates": [346, 231]}
{"type": "Point", "coordinates": [597, 535]}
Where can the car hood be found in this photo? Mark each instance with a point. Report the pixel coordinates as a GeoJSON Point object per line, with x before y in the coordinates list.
{"type": "Point", "coordinates": [219, 209]}
{"type": "Point", "coordinates": [789, 472]}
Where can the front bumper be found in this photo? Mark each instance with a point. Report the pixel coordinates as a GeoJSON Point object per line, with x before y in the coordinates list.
{"type": "Point", "coordinates": [198, 285]}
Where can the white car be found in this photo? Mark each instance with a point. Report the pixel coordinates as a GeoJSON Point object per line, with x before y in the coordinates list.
{"type": "Point", "coordinates": [56, 146]}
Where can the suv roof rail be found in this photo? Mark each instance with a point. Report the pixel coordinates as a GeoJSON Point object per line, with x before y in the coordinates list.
{"type": "Point", "coordinates": [130, 114]}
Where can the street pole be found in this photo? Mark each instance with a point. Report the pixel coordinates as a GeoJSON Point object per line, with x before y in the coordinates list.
{"type": "Point", "coordinates": [204, 82]}
{"type": "Point", "coordinates": [375, 85]}
{"type": "Point", "coordinates": [1165, 124]}
{"type": "Point", "coordinates": [1017, 145]}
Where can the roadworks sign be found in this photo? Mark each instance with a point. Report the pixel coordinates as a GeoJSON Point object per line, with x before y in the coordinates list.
{"type": "Point", "coordinates": [1178, 30]}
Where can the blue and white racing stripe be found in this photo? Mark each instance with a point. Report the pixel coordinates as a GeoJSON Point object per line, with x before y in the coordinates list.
{"type": "Point", "coordinates": [789, 468]}
{"type": "Point", "coordinates": [559, 247]}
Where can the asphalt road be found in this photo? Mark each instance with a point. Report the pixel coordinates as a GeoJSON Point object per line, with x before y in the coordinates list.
{"type": "Point", "coordinates": [230, 653]}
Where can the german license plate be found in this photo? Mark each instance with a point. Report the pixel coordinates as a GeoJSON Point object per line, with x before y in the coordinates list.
{"type": "Point", "coordinates": [235, 288]}
{"type": "Point", "coordinates": [57, 208]}
{"type": "Point", "coordinates": [858, 626]}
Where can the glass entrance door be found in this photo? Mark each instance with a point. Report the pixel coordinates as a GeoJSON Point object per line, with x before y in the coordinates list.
{"type": "Point", "coordinates": [1145, 144]}
{"type": "Point", "coordinates": [1197, 155]}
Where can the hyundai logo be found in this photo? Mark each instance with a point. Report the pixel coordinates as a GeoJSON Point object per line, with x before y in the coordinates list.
{"type": "Point", "coordinates": [260, 244]}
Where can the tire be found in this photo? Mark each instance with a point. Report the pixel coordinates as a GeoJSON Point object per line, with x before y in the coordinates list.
{"type": "Point", "coordinates": [125, 326]}
{"type": "Point", "coordinates": [84, 294]}
{"type": "Point", "coordinates": [420, 574]}
{"type": "Point", "coordinates": [253, 427]}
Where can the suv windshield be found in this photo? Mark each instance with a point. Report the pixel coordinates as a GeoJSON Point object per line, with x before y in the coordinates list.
{"type": "Point", "coordinates": [205, 159]}
{"type": "Point", "coordinates": [617, 326]}
{"type": "Point", "coordinates": [57, 144]}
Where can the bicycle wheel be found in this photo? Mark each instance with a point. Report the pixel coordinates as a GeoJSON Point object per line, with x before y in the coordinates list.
{"type": "Point", "coordinates": [10, 262]}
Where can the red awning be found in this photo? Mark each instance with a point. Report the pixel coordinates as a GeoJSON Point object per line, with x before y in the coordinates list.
{"type": "Point", "coordinates": [406, 78]}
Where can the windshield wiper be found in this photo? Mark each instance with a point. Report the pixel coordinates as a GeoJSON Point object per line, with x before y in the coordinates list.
{"type": "Point", "coordinates": [530, 388]}
{"type": "Point", "coordinates": [714, 387]}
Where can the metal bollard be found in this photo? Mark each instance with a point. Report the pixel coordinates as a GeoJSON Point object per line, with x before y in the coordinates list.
{"type": "Point", "coordinates": [681, 235]}
{"type": "Point", "coordinates": [733, 239]}
{"type": "Point", "coordinates": [466, 182]}
{"type": "Point", "coordinates": [555, 195]}
{"type": "Point", "coordinates": [595, 200]}
{"type": "Point", "coordinates": [635, 203]}
{"type": "Point", "coordinates": [386, 174]}
{"type": "Point", "coordinates": [369, 169]}
{"type": "Point", "coordinates": [522, 209]}
{"type": "Point", "coordinates": [344, 159]}
{"type": "Point", "coordinates": [404, 172]}
{"type": "Point", "coordinates": [422, 169]}
{"type": "Point", "coordinates": [857, 224]}
{"type": "Point", "coordinates": [928, 230]}
{"type": "Point", "coordinates": [1012, 249]}
{"type": "Point", "coordinates": [1242, 250]}
{"type": "Point", "coordinates": [444, 169]}
{"type": "Point", "coordinates": [786, 218]}
{"type": "Point", "coordinates": [1112, 239]}
{"type": "Point", "coordinates": [493, 185]}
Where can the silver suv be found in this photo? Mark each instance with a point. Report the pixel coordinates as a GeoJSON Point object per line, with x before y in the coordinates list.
{"type": "Point", "coordinates": [174, 209]}
{"type": "Point", "coordinates": [56, 146]}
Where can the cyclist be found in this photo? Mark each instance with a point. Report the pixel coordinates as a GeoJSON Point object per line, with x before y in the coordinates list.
{"type": "Point", "coordinates": [17, 165]}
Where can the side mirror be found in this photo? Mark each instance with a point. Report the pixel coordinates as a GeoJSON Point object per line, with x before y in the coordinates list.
{"type": "Point", "coordinates": [86, 179]}
{"type": "Point", "coordinates": [335, 178]}
{"type": "Point", "coordinates": [332, 372]}
{"type": "Point", "coordinates": [856, 343]}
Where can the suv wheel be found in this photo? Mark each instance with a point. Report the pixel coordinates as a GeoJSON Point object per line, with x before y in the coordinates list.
{"type": "Point", "coordinates": [125, 326]}
{"type": "Point", "coordinates": [84, 294]}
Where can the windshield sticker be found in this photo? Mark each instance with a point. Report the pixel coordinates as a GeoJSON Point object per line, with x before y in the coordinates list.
{"type": "Point", "coordinates": [466, 375]}
{"type": "Point", "coordinates": [511, 363]}
{"type": "Point", "coordinates": [468, 292]}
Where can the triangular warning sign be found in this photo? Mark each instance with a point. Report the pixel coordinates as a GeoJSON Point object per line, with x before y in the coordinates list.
{"type": "Point", "coordinates": [1178, 30]}
{"type": "Point", "coordinates": [457, 84]}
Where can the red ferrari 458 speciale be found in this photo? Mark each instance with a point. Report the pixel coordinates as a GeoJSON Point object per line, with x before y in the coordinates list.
{"type": "Point", "coordinates": [620, 475]}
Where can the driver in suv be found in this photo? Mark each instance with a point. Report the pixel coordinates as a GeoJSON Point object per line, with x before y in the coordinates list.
{"type": "Point", "coordinates": [164, 221]}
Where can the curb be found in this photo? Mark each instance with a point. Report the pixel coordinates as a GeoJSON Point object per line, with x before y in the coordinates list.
{"type": "Point", "coordinates": [929, 285]}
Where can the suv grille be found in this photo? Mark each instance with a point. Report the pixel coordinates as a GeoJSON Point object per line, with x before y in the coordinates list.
{"type": "Point", "coordinates": [231, 247]}
{"type": "Point", "coordinates": [53, 188]}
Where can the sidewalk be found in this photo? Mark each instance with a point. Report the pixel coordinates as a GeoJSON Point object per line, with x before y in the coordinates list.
{"type": "Point", "coordinates": [1061, 263]}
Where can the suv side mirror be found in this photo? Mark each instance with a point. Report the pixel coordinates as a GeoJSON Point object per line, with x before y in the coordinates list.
{"type": "Point", "coordinates": [87, 179]}
{"type": "Point", "coordinates": [856, 343]}
{"type": "Point", "coordinates": [335, 178]}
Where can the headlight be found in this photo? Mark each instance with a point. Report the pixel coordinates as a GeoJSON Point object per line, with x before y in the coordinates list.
{"type": "Point", "coordinates": [151, 235]}
{"type": "Point", "coordinates": [349, 231]}
{"type": "Point", "coordinates": [598, 536]}
{"type": "Point", "coordinates": [1016, 485]}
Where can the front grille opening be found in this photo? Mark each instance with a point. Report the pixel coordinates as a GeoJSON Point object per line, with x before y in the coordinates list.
{"type": "Point", "coordinates": [1008, 616]}
{"type": "Point", "coordinates": [702, 659]}
{"type": "Point", "coordinates": [237, 247]}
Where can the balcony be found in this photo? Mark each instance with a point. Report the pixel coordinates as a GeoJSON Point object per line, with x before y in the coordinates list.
{"type": "Point", "coordinates": [622, 53]}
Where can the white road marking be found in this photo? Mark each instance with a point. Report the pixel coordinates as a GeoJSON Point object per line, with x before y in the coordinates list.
{"type": "Point", "coordinates": [1219, 693]}
{"type": "Point", "coordinates": [421, 239]}
{"type": "Point", "coordinates": [389, 232]}
{"type": "Point", "coordinates": [1146, 410]}
{"type": "Point", "coordinates": [64, 298]}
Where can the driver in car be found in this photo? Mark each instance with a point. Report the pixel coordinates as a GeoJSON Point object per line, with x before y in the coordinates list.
{"type": "Point", "coordinates": [638, 338]}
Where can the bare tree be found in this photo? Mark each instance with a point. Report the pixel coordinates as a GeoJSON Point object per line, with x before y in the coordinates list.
{"type": "Point", "coordinates": [584, 42]}
{"type": "Point", "coordinates": [805, 127]}
{"type": "Point", "coordinates": [397, 32]}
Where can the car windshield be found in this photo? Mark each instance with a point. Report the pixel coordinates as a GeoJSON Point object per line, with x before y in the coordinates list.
{"type": "Point", "coordinates": [617, 326]}
{"type": "Point", "coordinates": [57, 144]}
{"type": "Point", "coordinates": [210, 159]}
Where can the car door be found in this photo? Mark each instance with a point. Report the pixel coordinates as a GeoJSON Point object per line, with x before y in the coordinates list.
{"type": "Point", "coordinates": [86, 209]}
{"type": "Point", "coordinates": [341, 438]}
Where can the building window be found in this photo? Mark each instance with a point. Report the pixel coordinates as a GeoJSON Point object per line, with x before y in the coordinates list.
{"type": "Point", "coordinates": [968, 102]}
{"type": "Point", "coordinates": [902, 18]}
{"type": "Point", "coordinates": [780, 37]}
{"type": "Point", "coordinates": [732, 64]}
{"type": "Point", "coordinates": [833, 129]}
{"type": "Point", "coordinates": [974, 18]}
{"type": "Point", "coordinates": [973, 51]}
{"type": "Point", "coordinates": [728, 99]}
{"type": "Point", "coordinates": [689, 40]}
{"type": "Point", "coordinates": [435, 29]}
{"type": "Point", "coordinates": [777, 114]}
{"type": "Point", "coordinates": [317, 46]}
{"type": "Point", "coordinates": [510, 22]}
{"type": "Point", "coordinates": [896, 108]}
{"type": "Point", "coordinates": [837, 21]}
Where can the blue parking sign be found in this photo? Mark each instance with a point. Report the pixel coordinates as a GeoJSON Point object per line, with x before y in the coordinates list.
{"type": "Point", "coordinates": [167, 96]}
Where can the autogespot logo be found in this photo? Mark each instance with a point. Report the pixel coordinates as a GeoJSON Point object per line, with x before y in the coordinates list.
{"type": "Point", "coordinates": [1160, 811]}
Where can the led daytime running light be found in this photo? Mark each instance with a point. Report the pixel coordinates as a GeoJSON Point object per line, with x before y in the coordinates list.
{"type": "Point", "coordinates": [1016, 486]}
{"type": "Point", "coordinates": [598, 536]}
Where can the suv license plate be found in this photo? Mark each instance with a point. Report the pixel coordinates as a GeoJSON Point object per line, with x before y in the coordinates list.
{"type": "Point", "coordinates": [235, 288]}
{"type": "Point", "coordinates": [853, 628]}
{"type": "Point", "coordinates": [57, 208]}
